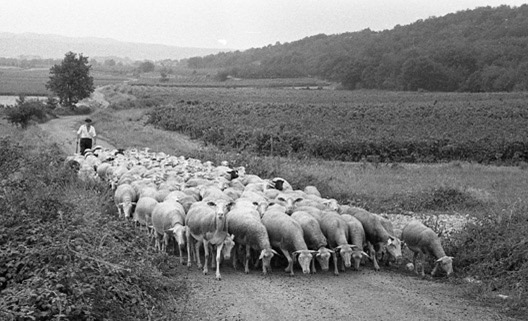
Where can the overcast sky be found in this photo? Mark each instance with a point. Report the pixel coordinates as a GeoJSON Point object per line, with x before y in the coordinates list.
{"type": "Point", "coordinates": [230, 24]}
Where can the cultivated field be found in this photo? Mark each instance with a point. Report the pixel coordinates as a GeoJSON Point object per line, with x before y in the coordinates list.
{"type": "Point", "coordinates": [32, 82]}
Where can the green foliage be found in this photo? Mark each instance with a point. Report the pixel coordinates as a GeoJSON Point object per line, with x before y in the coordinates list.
{"type": "Point", "coordinates": [63, 252]}
{"type": "Point", "coordinates": [494, 250]}
{"type": "Point", "coordinates": [473, 50]}
{"type": "Point", "coordinates": [146, 66]}
{"type": "Point", "coordinates": [26, 111]}
{"type": "Point", "coordinates": [222, 75]}
{"type": "Point", "coordinates": [71, 80]}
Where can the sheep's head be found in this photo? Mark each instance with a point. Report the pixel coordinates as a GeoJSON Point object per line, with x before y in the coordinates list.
{"type": "Point", "coordinates": [229, 244]}
{"type": "Point", "coordinates": [128, 208]}
{"type": "Point", "coordinates": [323, 257]}
{"type": "Point", "coordinates": [346, 253]}
{"type": "Point", "coordinates": [393, 247]}
{"type": "Point", "coordinates": [265, 256]}
{"type": "Point", "coordinates": [305, 258]}
{"type": "Point", "coordinates": [446, 263]}
{"type": "Point", "coordinates": [179, 234]}
{"type": "Point", "coordinates": [288, 202]}
{"type": "Point", "coordinates": [357, 256]}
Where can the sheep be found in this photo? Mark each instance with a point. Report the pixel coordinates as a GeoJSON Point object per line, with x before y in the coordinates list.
{"type": "Point", "coordinates": [376, 233]}
{"type": "Point", "coordinates": [314, 238]}
{"type": "Point", "coordinates": [423, 240]}
{"type": "Point", "coordinates": [289, 201]}
{"type": "Point", "coordinates": [244, 223]}
{"type": "Point", "coordinates": [336, 231]}
{"type": "Point", "coordinates": [206, 222]}
{"type": "Point", "coordinates": [287, 235]}
{"type": "Point", "coordinates": [168, 218]}
{"type": "Point", "coordinates": [312, 190]}
{"type": "Point", "coordinates": [280, 184]}
{"type": "Point", "coordinates": [313, 211]}
{"type": "Point", "coordinates": [161, 194]}
{"type": "Point", "coordinates": [143, 213]}
{"type": "Point", "coordinates": [212, 193]}
{"type": "Point", "coordinates": [125, 198]}
{"type": "Point", "coordinates": [102, 169]}
{"type": "Point", "coordinates": [357, 238]}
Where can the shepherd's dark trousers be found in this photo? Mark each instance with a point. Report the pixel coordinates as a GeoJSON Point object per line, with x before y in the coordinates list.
{"type": "Point", "coordinates": [85, 143]}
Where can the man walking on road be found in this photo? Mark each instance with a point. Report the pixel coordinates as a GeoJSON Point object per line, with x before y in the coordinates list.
{"type": "Point", "coordinates": [87, 135]}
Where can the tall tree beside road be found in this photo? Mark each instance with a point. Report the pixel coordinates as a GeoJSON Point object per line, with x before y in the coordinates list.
{"type": "Point", "coordinates": [71, 80]}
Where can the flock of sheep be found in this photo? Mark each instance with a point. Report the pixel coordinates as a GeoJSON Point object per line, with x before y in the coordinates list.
{"type": "Point", "coordinates": [202, 208]}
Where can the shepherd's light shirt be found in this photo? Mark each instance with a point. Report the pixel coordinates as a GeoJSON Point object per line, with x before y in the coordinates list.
{"type": "Point", "coordinates": [85, 133]}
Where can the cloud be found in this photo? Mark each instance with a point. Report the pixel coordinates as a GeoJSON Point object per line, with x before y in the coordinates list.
{"type": "Point", "coordinates": [222, 41]}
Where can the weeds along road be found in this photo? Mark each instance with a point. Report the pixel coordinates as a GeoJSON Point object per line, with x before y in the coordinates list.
{"type": "Point", "coordinates": [392, 294]}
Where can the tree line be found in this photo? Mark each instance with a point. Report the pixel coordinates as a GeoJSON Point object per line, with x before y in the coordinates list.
{"type": "Point", "coordinates": [480, 50]}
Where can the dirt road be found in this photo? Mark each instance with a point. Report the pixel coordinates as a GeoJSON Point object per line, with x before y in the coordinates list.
{"type": "Point", "coordinates": [63, 131]}
{"type": "Point", "coordinates": [391, 294]}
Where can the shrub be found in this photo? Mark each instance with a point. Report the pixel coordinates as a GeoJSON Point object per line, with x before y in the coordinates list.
{"type": "Point", "coordinates": [494, 249]}
{"type": "Point", "coordinates": [25, 111]}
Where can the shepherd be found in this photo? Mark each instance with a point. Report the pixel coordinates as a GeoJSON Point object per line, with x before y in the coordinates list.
{"type": "Point", "coordinates": [87, 135]}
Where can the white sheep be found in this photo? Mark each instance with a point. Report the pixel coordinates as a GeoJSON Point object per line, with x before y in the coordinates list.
{"type": "Point", "coordinates": [143, 213]}
{"type": "Point", "coordinates": [377, 234]}
{"type": "Point", "coordinates": [357, 238]}
{"type": "Point", "coordinates": [168, 219]}
{"type": "Point", "coordinates": [206, 222]}
{"type": "Point", "coordinates": [336, 231]}
{"type": "Point", "coordinates": [314, 238]}
{"type": "Point", "coordinates": [289, 200]}
{"type": "Point", "coordinates": [125, 198]}
{"type": "Point", "coordinates": [245, 225]}
{"type": "Point", "coordinates": [287, 235]}
{"type": "Point", "coordinates": [423, 240]}
{"type": "Point", "coordinates": [312, 190]}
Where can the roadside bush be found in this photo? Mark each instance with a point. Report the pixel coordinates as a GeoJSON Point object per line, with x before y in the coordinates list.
{"type": "Point", "coordinates": [26, 111]}
{"type": "Point", "coordinates": [494, 250]}
{"type": "Point", "coordinates": [63, 252]}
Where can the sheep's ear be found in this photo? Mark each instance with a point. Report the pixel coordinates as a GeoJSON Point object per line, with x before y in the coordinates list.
{"type": "Point", "coordinates": [389, 241]}
{"type": "Point", "coordinates": [365, 254]}
{"type": "Point", "coordinates": [274, 252]}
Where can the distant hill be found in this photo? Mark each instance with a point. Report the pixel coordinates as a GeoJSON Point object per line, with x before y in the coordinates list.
{"type": "Point", "coordinates": [485, 49]}
{"type": "Point", "coordinates": [52, 46]}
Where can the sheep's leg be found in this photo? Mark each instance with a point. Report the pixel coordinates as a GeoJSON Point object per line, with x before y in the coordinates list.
{"type": "Point", "coordinates": [189, 246]}
{"type": "Point", "coordinates": [433, 273]}
{"type": "Point", "coordinates": [206, 257]}
{"type": "Point", "coordinates": [289, 268]}
{"type": "Point", "coordinates": [180, 253]}
{"type": "Point", "coordinates": [246, 261]}
{"type": "Point", "coordinates": [234, 259]}
{"type": "Point", "coordinates": [197, 253]}
{"type": "Point", "coordinates": [218, 257]}
{"type": "Point", "coordinates": [334, 257]}
{"type": "Point", "coordinates": [373, 256]}
{"type": "Point", "coordinates": [313, 266]}
{"type": "Point", "coordinates": [214, 260]}
{"type": "Point", "coordinates": [165, 244]}
{"type": "Point", "coordinates": [157, 243]}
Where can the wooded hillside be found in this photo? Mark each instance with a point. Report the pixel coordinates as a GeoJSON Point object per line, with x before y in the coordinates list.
{"type": "Point", "coordinates": [477, 50]}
